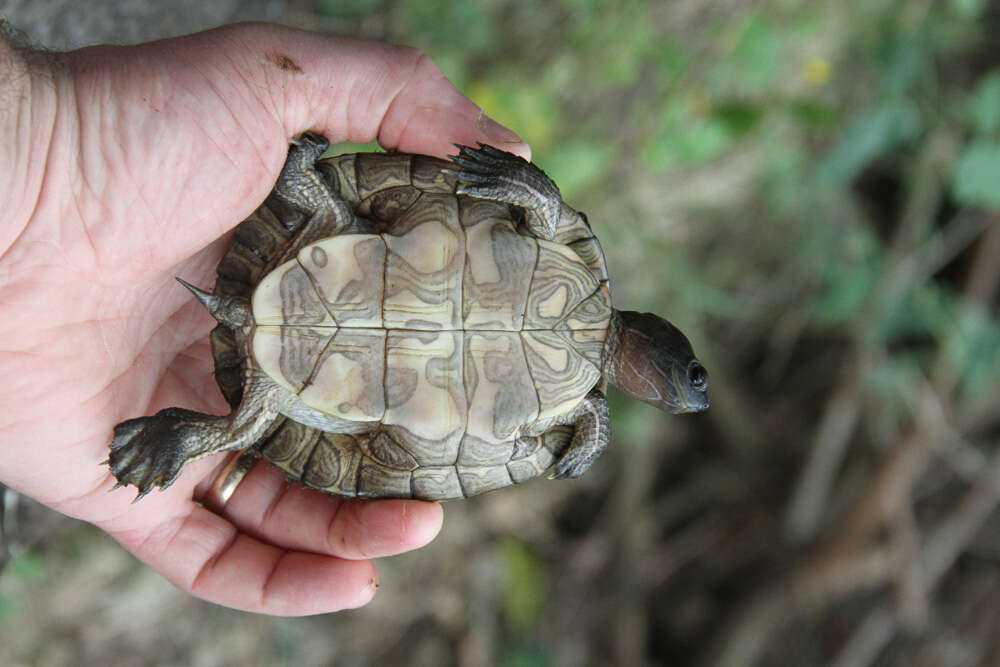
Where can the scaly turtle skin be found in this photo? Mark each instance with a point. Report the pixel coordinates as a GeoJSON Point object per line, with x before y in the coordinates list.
{"type": "Point", "coordinates": [395, 325]}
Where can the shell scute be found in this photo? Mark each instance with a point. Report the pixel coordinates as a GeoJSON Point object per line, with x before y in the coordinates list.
{"type": "Point", "coordinates": [346, 272]}
{"type": "Point", "coordinates": [498, 270]}
{"type": "Point", "coordinates": [379, 171]}
{"type": "Point", "coordinates": [559, 283]}
{"type": "Point", "coordinates": [423, 273]}
{"type": "Point", "coordinates": [502, 397]}
{"type": "Point", "coordinates": [348, 377]}
{"type": "Point", "coordinates": [431, 403]}
{"type": "Point", "coordinates": [436, 482]}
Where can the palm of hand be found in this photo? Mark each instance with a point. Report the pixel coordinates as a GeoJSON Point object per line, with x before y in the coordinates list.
{"type": "Point", "coordinates": [159, 156]}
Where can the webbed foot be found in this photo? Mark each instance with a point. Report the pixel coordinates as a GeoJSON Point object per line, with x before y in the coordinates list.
{"type": "Point", "coordinates": [590, 439]}
{"type": "Point", "coordinates": [490, 173]}
{"type": "Point", "coordinates": [151, 451]}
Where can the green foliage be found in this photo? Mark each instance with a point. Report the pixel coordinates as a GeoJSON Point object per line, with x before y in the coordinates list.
{"type": "Point", "coordinates": [575, 165]}
{"type": "Point", "coordinates": [976, 178]}
{"type": "Point", "coordinates": [345, 147]}
{"type": "Point", "coordinates": [875, 133]}
{"type": "Point", "coordinates": [348, 8]}
{"type": "Point", "coordinates": [23, 570]}
{"type": "Point", "coordinates": [8, 607]}
{"type": "Point", "coordinates": [25, 567]}
{"type": "Point", "coordinates": [465, 26]}
{"type": "Point", "coordinates": [985, 104]}
{"type": "Point", "coordinates": [517, 104]}
{"type": "Point", "coordinates": [973, 346]}
{"type": "Point", "coordinates": [905, 64]}
{"type": "Point", "coordinates": [967, 9]}
{"type": "Point", "coordinates": [688, 137]}
{"type": "Point", "coordinates": [521, 655]}
{"type": "Point", "coordinates": [758, 53]}
{"type": "Point", "coordinates": [525, 585]}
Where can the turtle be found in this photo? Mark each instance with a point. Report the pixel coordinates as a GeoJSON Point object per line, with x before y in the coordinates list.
{"type": "Point", "coordinates": [398, 325]}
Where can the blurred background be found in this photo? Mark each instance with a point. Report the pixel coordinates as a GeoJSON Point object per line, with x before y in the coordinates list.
{"type": "Point", "coordinates": [812, 192]}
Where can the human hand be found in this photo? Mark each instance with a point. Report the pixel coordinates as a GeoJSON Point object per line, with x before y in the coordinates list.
{"type": "Point", "coordinates": [122, 167]}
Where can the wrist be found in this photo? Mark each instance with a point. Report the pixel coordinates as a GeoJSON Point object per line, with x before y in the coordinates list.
{"type": "Point", "coordinates": [27, 120]}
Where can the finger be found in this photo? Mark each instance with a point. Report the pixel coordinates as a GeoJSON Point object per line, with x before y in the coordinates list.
{"type": "Point", "coordinates": [201, 126]}
{"type": "Point", "coordinates": [361, 91]}
{"type": "Point", "coordinates": [208, 557]}
{"type": "Point", "coordinates": [266, 506]}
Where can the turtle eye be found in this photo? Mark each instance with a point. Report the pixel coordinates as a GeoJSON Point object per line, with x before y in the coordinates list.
{"type": "Point", "coordinates": [697, 376]}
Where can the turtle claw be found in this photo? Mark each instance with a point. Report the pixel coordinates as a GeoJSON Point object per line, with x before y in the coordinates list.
{"type": "Point", "coordinates": [490, 173]}
{"type": "Point", "coordinates": [573, 464]}
{"type": "Point", "coordinates": [151, 451]}
{"type": "Point", "coordinates": [311, 142]}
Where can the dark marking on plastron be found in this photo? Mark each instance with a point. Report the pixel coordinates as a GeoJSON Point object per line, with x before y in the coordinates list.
{"type": "Point", "coordinates": [300, 305]}
{"type": "Point", "coordinates": [400, 385]}
{"type": "Point", "coordinates": [318, 256]}
{"type": "Point", "coordinates": [283, 62]}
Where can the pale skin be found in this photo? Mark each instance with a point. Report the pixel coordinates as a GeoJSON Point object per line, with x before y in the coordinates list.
{"type": "Point", "coordinates": [122, 167]}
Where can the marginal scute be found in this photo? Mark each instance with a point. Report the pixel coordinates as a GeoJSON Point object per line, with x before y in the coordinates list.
{"type": "Point", "coordinates": [436, 483]}
{"type": "Point", "coordinates": [379, 481]}
{"type": "Point", "coordinates": [290, 447]}
{"type": "Point", "coordinates": [333, 464]}
{"type": "Point", "coordinates": [340, 173]}
{"type": "Point", "coordinates": [592, 255]}
{"type": "Point", "coordinates": [378, 171]}
{"type": "Point", "coordinates": [480, 480]}
{"type": "Point", "coordinates": [475, 452]}
{"type": "Point", "coordinates": [241, 265]}
{"type": "Point", "coordinates": [430, 452]}
{"type": "Point", "coordinates": [427, 174]}
{"type": "Point", "coordinates": [264, 233]}
{"type": "Point", "coordinates": [388, 205]}
{"type": "Point", "coordinates": [384, 450]}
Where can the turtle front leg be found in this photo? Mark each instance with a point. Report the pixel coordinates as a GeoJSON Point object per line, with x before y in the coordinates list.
{"type": "Point", "coordinates": [302, 186]}
{"type": "Point", "coordinates": [591, 437]}
{"type": "Point", "coordinates": [490, 173]}
{"type": "Point", "coordinates": [299, 183]}
{"type": "Point", "coordinates": [152, 451]}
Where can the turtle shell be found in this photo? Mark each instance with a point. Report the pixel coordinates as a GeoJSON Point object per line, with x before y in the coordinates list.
{"type": "Point", "coordinates": [450, 337]}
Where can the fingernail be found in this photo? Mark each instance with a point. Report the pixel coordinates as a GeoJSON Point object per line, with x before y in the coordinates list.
{"type": "Point", "coordinates": [494, 132]}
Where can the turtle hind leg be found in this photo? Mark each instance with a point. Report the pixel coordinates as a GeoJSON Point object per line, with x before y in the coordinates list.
{"type": "Point", "coordinates": [490, 173]}
{"type": "Point", "coordinates": [299, 183]}
{"type": "Point", "coordinates": [590, 438]}
{"type": "Point", "coordinates": [150, 452]}
{"type": "Point", "coordinates": [303, 187]}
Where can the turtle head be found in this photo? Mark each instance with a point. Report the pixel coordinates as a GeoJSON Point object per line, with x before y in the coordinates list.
{"type": "Point", "coordinates": [651, 360]}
